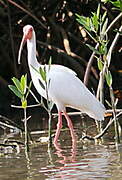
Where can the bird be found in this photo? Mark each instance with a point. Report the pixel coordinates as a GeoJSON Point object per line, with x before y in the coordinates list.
{"type": "Point", "coordinates": [65, 89]}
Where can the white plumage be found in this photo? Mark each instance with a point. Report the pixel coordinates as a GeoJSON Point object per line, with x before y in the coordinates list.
{"type": "Point", "coordinates": [65, 88]}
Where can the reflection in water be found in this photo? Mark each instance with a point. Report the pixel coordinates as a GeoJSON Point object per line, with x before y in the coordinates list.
{"type": "Point", "coordinates": [66, 160]}
{"type": "Point", "coordinates": [63, 162]}
{"type": "Point", "coordinates": [88, 163]}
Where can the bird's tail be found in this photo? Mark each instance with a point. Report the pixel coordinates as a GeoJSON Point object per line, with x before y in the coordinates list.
{"type": "Point", "coordinates": [97, 112]}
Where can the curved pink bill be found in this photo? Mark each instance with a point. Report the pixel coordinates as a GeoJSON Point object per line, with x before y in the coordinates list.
{"type": "Point", "coordinates": [21, 47]}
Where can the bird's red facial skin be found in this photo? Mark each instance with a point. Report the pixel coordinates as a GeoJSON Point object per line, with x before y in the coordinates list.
{"type": "Point", "coordinates": [28, 34]}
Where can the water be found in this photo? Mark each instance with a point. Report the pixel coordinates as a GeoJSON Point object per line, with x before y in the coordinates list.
{"type": "Point", "coordinates": [83, 160]}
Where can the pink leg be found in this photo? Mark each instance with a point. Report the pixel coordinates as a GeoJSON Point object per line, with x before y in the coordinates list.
{"type": "Point", "coordinates": [70, 125]}
{"type": "Point", "coordinates": [59, 126]}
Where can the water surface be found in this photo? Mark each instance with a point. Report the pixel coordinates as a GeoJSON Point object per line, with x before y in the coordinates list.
{"type": "Point", "coordinates": [83, 160]}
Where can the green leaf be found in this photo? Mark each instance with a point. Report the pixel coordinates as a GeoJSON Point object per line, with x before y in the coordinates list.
{"type": "Point", "coordinates": [117, 3]}
{"type": "Point", "coordinates": [42, 85]}
{"type": "Point", "coordinates": [43, 73]}
{"type": "Point", "coordinates": [103, 48]}
{"type": "Point", "coordinates": [49, 83]}
{"type": "Point", "coordinates": [98, 11]}
{"type": "Point", "coordinates": [104, 27]}
{"type": "Point", "coordinates": [50, 61]}
{"type": "Point", "coordinates": [120, 33]}
{"type": "Point", "coordinates": [35, 69]}
{"type": "Point", "coordinates": [50, 105]}
{"type": "Point", "coordinates": [95, 22]}
{"type": "Point", "coordinates": [104, 15]}
{"type": "Point", "coordinates": [90, 24]}
{"type": "Point", "coordinates": [17, 83]}
{"type": "Point", "coordinates": [84, 21]}
{"type": "Point", "coordinates": [24, 104]}
{"type": "Point", "coordinates": [121, 5]}
{"type": "Point", "coordinates": [107, 102]}
{"type": "Point", "coordinates": [15, 91]}
{"type": "Point", "coordinates": [23, 83]}
{"type": "Point", "coordinates": [93, 49]}
{"type": "Point", "coordinates": [109, 78]}
{"type": "Point", "coordinates": [100, 64]}
{"type": "Point", "coordinates": [29, 87]}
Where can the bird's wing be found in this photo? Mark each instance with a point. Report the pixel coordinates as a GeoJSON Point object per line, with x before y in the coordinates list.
{"type": "Point", "coordinates": [60, 68]}
{"type": "Point", "coordinates": [53, 72]}
{"type": "Point", "coordinates": [66, 89]}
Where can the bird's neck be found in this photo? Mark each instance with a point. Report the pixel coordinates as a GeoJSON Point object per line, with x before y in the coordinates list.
{"type": "Point", "coordinates": [31, 46]}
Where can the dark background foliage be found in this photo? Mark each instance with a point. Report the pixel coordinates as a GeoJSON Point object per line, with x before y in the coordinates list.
{"type": "Point", "coordinates": [54, 21]}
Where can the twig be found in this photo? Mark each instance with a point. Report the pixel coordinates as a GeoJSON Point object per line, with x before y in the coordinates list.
{"type": "Point", "coordinates": [103, 131]}
{"type": "Point", "coordinates": [88, 68]}
{"type": "Point", "coordinates": [34, 96]}
{"type": "Point", "coordinates": [108, 59]}
{"type": "Point", "coordinates": [50, 129]}
{"type": "Point", "coordinates": [26, 118]}
{"type": "Point", "coordinates": [6, 125]}
{"type": "Point", "coordinates": [11, 122]}
{"type": "Point", "coordinates": [30, 106]}
{"type": "Point", "coordinates": [29, 13]}
{"type": "Point", "coordinates": [26, 131]}
{"type": "Point", "coordinates": [113, 22]}
{"type": "Point", "coordinates": [65, 41]}
{"type": "Point", "coordinates": [79, 113]}
{"type": "Point", "coordinates": [12, 41]}
{"type": "Point", "coordinates": [58, 50]}
{"type": "Point", "coordinates": [90, 62]}
{"type": "Point", "coordinates": [113, 45]}
{"type": "Point", "coordinates": [70, 57]}
{"type": "Point", "coordinates": [116, 123]}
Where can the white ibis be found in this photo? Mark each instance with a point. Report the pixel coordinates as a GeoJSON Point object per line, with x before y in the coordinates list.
{"type": "Point", "coordinates": [65, 88]}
